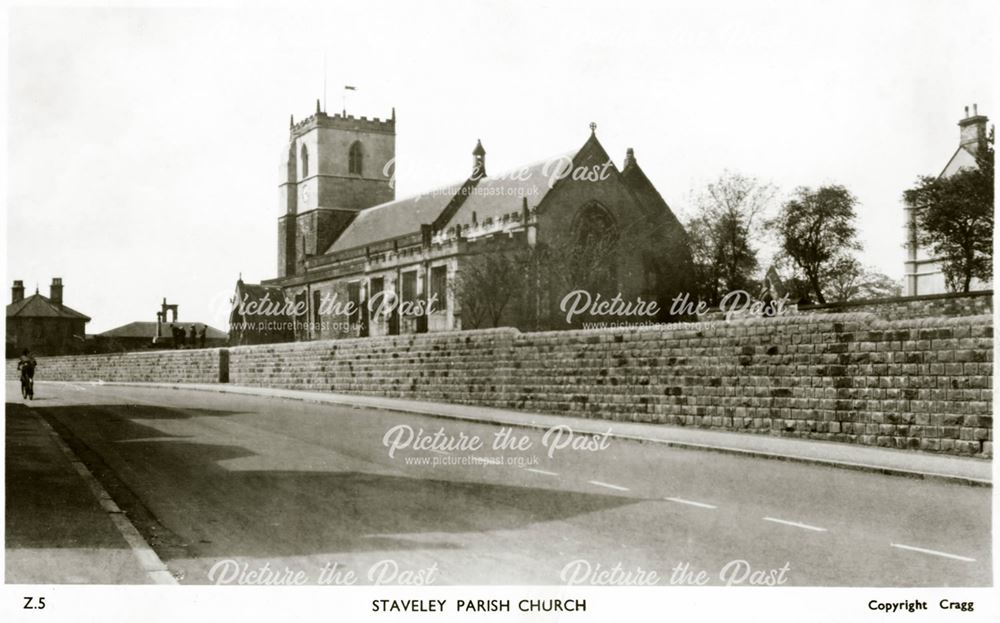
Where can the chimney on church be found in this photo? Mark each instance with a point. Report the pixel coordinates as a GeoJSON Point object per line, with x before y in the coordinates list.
{"type": "Point", "coordinates": [629, 158]}
{"type": "Point", "coordinates": [973, 129]}
{"type": "Point", "coordinates": [55, 291]}
{"type": "Point", "coordinates": [478, 161]}
{"type": "Point", "coordinates": [17, 291]}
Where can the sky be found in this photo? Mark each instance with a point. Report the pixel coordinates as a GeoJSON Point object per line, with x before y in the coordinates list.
{"type": "Point", "coordinates": [143, 143]}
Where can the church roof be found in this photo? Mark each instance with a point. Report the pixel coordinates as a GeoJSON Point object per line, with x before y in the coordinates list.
{"type": "Point", "coordinates": [493, 197]}
{"type": "Point", "coordinates": [38, 306]}
{"type": "Point", "coordinates": [393, 219]}
{"type": "Point", "coordinates": [489, 197]}
{"type": "Point", "coordinates": [257, 291]}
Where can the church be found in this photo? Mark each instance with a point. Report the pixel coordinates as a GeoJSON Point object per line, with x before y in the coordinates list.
{"type": "Point", "coordinates": [353, 260]}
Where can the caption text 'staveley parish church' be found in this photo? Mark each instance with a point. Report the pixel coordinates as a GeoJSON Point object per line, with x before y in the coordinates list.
{"type": "Point", "coordinates": [343, 236]}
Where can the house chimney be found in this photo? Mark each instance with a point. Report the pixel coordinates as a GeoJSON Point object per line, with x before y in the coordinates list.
{"type": "Point", "coordinates": [17, 292]}
{"type": "Point", "coordinates": [55, 291]}
{"type": "Point", "coordinates": [972, 129]}
{"type": "Point", "coordinates": [478, 161]}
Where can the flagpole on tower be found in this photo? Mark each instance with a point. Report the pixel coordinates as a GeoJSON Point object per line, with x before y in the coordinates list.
{"type": "Point", "coordinates": [346, 89]}
{"type": "Point", "coordinates": [324, 80]}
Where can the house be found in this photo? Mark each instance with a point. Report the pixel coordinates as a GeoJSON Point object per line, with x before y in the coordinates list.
{"type": "Point", "coordinates": [923, 270]}
{"type": "Point", "coordinates": [43, 325]}
{"type": "Point", "coordinates": [141, 334]}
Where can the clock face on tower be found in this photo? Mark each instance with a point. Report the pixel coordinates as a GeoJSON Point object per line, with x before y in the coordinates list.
{"type": "Point", "coordinates": [304, 194]}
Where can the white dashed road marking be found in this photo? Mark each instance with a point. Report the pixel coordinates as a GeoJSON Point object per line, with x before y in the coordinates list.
{"type": "Point", "coordinates": [691, 503]}
{"type": "Point", "coordinates": [796, 524]}
{"type": "Point", "coordinates": [608, 485]}
{"type": "Point", "coordinates": [540, 471]}
{"type": "Point", "coordinates": [932, 552]}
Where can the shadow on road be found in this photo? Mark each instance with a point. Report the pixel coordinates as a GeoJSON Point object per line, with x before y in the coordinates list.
{"type": "Point", "coordinates": [187, 504]}
{"type": "Point", "coordinates": [47, 504]}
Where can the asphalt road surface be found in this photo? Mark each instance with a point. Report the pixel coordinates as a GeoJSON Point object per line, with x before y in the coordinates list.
{"type": "Point", "coordinates": [239, 489]}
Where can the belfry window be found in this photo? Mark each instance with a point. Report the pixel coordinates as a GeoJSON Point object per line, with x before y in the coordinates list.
{"type": "Point", "coordinates": [354, 158]}
{"type": "Point", "coordinates": [305, 162]}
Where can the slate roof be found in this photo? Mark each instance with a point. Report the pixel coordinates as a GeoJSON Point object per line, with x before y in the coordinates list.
{"type": "Point", "coordinates": [393, 219]}
{"type": "Point", "coordinates": [963, 157]}
{"type": "Point", "coordinates": [257, 291]}
{"type": "Point", "coordinates": [491, 197]}
{"type": "Point", "coordinates": [38, 306]}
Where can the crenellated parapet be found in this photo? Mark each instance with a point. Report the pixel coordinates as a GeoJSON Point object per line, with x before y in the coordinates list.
{"type": "Point", "coordinates": [340, 121]}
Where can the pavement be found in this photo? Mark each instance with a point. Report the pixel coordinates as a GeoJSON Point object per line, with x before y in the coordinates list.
{"type": "Point", "coordinates": [61, 526]}
{"type": "Point", "coordinates": [890, 461]}
{"type": "Point", "coordinates": [249, 486]}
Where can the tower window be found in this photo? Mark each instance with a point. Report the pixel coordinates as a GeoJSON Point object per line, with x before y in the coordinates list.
{"type": "Point", "coordinates": [305, 162]}
{"type": "Point", "coordinates": [354, 158]}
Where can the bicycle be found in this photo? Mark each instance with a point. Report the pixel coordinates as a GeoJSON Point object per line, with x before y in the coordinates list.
{"type": "Point", "coordinates": [26, 366]}
{"type": "Point", "coordinates": [27, 386]}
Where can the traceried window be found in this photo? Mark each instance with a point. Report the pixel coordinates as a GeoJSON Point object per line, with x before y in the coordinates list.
{"type": "Point", "coordinates": [595, 227]}
{"type": "Point", "coordinates": [354, 158]}
{"type": "Point", "coordinates": [596, 250]}
{"type": "Point", "coordinates": [304, 158]}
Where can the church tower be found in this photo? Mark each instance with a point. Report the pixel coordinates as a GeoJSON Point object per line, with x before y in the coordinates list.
{"type": "Point", "coordinates": [332, 168]}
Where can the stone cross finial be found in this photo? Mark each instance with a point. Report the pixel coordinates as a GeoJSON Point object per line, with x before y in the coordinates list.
{"type": "Point", "coordinates": [593, 127]}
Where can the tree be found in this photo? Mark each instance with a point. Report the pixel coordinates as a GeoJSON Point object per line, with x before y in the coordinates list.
{"type": "Point", "coordinates": [575, 260]}
{"type": "Point", "coordinates": [850, 281]}
{"type": "Point", "coordinates": [722, 233]}
{"type": "Point", "coordinates": [485, 286]}
{"type": "Point", "coordinates": [955, 219]}
{"type": "Point", "coordinates": [505, 280]}
{"type": "Point", "coordinates": [815, 228]}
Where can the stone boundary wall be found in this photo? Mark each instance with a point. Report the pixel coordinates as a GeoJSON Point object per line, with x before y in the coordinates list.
{"type": "Point", "coordinates": [899, 308]}
{"type": "Point", "coordinates": [949, 305]}
{"type": "Point", "coordinates": [161, 366]}
{"type": "Point", "coordinates": [922, 384]}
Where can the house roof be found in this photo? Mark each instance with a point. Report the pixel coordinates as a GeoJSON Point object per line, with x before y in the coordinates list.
{"type": "Point", "coordinates": [490, 197]}
{"type": "Point", "coordinates": [961, 159]}
{"type": "Point", "coordinates": [144, 329]}
{"type": "Point", "coordinates": [38, 306]}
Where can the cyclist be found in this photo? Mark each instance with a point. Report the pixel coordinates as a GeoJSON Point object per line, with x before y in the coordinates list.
{"type": "Point", "coordinates": [26, 364]}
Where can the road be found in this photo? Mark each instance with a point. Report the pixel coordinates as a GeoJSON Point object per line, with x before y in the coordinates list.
{"type": "Point", "coordinates": [290, 487]}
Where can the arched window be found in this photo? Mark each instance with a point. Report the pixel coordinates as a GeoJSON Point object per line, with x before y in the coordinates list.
{"type": "Point", "coordinates": [354, 158]}
{"type": "Point", "coordinates": [595, 227]}
{"type": "Point", "coordinates": [595, 256]}
{"type": "Point", "coordinates": [305, 162]}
